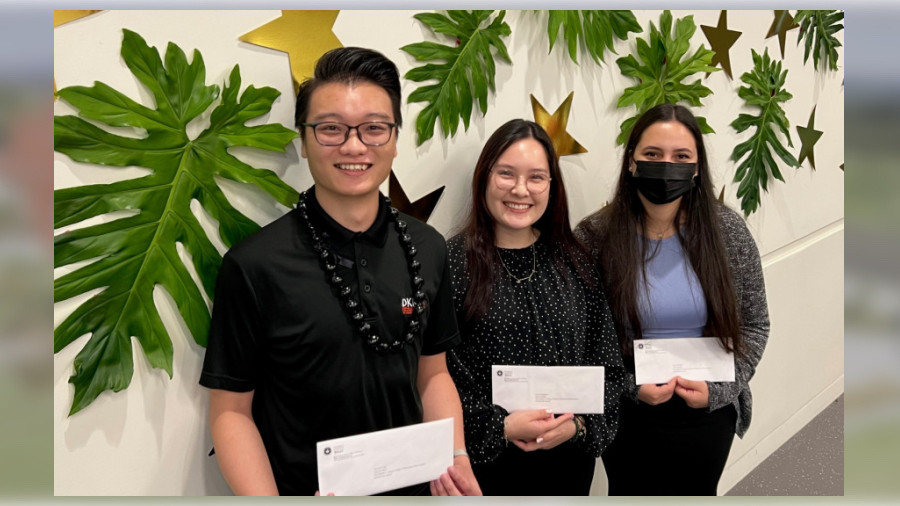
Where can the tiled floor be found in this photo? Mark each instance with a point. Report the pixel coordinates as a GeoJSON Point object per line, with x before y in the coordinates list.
{"type": "Point", "coordinates": [810, 463]}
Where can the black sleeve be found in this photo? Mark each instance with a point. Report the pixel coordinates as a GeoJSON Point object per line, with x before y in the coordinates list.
{"type": "Point", "coordinates": [602, 348]}
{"type": "Point", "coordinates": [234, 333]}
{"type": "Point", "coordinates": [442, 332]}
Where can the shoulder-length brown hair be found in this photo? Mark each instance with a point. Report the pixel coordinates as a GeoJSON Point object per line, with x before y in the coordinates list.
{"type": "Point", "coordinates": [478, 228]}
{"type": "Point", "coordinates": [624, 250]}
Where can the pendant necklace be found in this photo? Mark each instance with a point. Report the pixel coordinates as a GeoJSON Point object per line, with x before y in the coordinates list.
{"type": "Point", "coordinates": [533, 266]}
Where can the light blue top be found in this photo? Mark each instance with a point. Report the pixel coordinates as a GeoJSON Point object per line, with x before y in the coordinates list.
{"type": "Point", "coordinates": [677, 307]}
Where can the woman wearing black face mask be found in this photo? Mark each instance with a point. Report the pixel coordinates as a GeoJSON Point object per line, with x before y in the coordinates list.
{"type": "Point", "coordinates": [677, 263]}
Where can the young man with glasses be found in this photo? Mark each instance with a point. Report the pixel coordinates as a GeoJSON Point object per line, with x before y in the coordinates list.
{"type": "Point", "coordinates": [333, 320]}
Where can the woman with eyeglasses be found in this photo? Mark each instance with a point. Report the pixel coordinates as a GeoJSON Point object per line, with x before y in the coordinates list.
{"type": "Point", "coordinates": [677, 263]}
{"type": "Point", "coordinates": [525, 294]}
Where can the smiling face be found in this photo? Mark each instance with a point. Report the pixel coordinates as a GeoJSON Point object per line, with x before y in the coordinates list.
{"type": "Point", "coordinates": [517, 209]}
{"type": "Point", "coordinates": [353, 170]}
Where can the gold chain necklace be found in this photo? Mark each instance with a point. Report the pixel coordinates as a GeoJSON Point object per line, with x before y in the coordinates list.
{"type": "Point", "coordinates": [659, 235]}
{"type": "Point", "coordinates": [533, 266]}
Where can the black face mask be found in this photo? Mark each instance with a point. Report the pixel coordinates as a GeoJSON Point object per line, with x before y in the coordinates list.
{"type": "Point", "coordinates": [663, 182]}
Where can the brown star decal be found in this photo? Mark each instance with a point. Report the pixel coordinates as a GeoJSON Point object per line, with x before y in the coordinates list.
{"type": "Point", "coordinates": [420, 209]}
{"type": "Point", "coordinates": [809, 136]}
{"type": "Point", "coordinates": [303, 35]}
{"type": "Point", "coordinates": [780, 25]}
{"type": "Point", "coordinates": [720, 40]}
{"type": "Point", "coordinates": [722, 195]}
{"type": "Point", "coordinates": [555, 126]}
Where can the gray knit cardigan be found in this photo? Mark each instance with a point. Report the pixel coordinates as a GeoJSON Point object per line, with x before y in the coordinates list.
{"type": "Point", "coordinates": [743, 257]}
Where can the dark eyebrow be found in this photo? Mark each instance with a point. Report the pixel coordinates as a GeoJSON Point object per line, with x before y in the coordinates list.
{"type": "Point", "coordinates": [333, 116]}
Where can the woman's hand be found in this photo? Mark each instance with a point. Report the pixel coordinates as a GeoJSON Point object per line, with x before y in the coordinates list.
{"type": "Point", "coordinates": [657, 394]}
{"type": "Point", "coordinates": [529, 424]}
{"type": "Point", "coordinates": [694, 393]}
{"type": "Point", "coordinates": [552, 438]}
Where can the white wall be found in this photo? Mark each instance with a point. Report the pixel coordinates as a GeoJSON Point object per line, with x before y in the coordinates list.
{"type": "Point", "coordinates": [151, 439]}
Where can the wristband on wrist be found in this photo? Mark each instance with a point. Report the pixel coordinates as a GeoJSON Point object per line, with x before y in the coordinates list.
{"type": "Point", "coordinates": [579, 429]}
{"type": "Point", "coordinates": [461, 452]}
{"type": "Point", "coordinates": [505, 437]}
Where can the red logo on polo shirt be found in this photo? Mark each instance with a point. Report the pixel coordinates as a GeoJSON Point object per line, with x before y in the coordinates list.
{"type": "Point", "coordinates": [407, 305]}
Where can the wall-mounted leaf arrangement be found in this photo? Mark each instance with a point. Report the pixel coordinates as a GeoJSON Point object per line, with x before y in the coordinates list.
{"type": "Point", "coordinates": [817, 30]}
{"type": "Point", "coordinates": [134, 254]}
{"type": "Point", "coordinates": [595, 30]}
{"type": "Point", "coordinates": [660, 71]}
{"type": "Point", "coordinates": [465, 74]}
{"type": "Point", "coordinates": [764, 89]}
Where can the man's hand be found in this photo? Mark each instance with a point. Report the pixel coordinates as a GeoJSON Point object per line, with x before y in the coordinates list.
{"type": "Point", "coordinates": [458, 480]}
{"type": "Point", "coordinates": [657, 394]}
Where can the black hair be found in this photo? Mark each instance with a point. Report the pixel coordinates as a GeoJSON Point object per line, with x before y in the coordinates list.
{"type": "Point", "coordinates": [348, 65]}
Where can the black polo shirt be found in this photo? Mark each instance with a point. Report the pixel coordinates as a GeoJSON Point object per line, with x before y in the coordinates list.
{"type": "Point", "coordinates": [278, 330]}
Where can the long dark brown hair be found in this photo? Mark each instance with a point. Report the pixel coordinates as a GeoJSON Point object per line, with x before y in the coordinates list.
{"type": "Point", "coordinates": [478, 229]}
{"type": "Point", "coordinates": [624, 249]}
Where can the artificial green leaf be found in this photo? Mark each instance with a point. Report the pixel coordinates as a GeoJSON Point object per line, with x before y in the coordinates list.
{"type": "Point", "coordinates": [135, 253]}
{"type": "Point", "coordinates": [765, 90]}
{"type": "Point", "coordinates": [467, 71]}
{"type": "Point", "coordinates": [818, 29]}
{"type": "Point", "coordinates": [593, 29]}
{"type": "Point", "coordinates": [660, 71]}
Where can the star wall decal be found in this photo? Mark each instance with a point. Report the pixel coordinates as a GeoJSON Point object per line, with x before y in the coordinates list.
{"type": "Point", "coordinates": [720, 40]}
{"type": "Point", "coordinates": [809, 136]}
{"type": "Point", "coordinates": [555, 126]}
{"type": "Point", "coordinates": [782, 23]}
{"type": "Point", "coordinates": [420, 209]}
{"type": "Point", "coordinates": [63, 17]}
{"type": "Point", "coordinates": [722, 195]}
{"type": "Point", "coordinates": [303, 35]}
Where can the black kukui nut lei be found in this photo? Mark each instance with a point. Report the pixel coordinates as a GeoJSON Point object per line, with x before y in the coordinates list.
{"type": "Point", "coordinates": [328, 262]}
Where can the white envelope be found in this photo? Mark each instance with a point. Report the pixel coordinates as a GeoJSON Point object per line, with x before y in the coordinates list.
{"type": "Point", "coordinates": [561, 389]}
{"type": "Point", "coordinates": [375, 462]}
{"type": "Point", "coordinates": [693, 358]}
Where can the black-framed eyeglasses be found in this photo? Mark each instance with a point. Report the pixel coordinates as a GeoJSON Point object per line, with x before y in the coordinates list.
{"type": "Point", "coordinates": [370, 133]}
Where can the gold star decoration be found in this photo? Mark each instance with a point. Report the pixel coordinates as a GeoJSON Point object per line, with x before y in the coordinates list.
{"type": "Point", "coordinates": [780, 25]}
{"type": "Point", "coordinates": [62, 17]}
{"type": "Point", "coordinates": [420, 209]}
{"type": "Point", "coordinates": [809, 136]}
{"type": "Point", "coordinates": [303, 35]}
{"type": "Point", "coordinates": [555, 126]}
{"type": "Point", "coordinates": [720, 40]}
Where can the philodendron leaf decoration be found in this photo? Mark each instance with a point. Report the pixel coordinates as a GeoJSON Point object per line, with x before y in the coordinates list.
{"type": "Point", "coordinates": [132, 255]}
{"type": "Point", "coordinates": [818, 29]}
{"type": "Point", "coordinates": [764, 89]}
{"type": "Point", "coordinates": [467, 71]}
{"type": "Point", "coordinates": [594, 28]}
{"type": "Point", "coordinates": [660, 71]}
